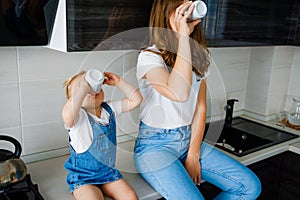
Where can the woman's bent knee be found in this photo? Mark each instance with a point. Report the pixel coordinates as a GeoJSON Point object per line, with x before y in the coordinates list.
{"type": "Point", "coordinates": [254, 189]}
{"type": "Point", "coordinates": [251, 186]}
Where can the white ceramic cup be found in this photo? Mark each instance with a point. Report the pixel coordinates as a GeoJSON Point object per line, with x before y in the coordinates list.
{"type": "Point", "coordinates": [199, 11]}
{"type": "Point", "coordinates": [95, 79]}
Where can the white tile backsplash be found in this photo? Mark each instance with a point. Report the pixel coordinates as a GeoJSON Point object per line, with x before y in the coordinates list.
{"type": "Point", "coordinates": [256, 102]}
{"type": "Point", "coordinates": [296, 58]}
{"type": "Point", "coordinates": [104, 60]}
{"type": "Point", "coordinates": [216, 92]}
{"type": "Point", "coordinates": [262, 55]}
{"type": "Point", "coordinates": [130, 58]}
{"type": "Point", "coordinates": [279, 82]}
{"type": "Point", "coordinates": [42, 101]}
{"type": "Point", "coordinates": [258, 80]}
{"type": "Point", "coordinates": [283, 56]}
{"type": "Point", "coordinates": [276, 103]}
{"type": "Point", "coordinates": [38, 63]}
{"type": "Point", "coordinates": [263, 79]}
{"type": "Point", "coordinates": [235, 79]}
{"type": "Point", "coordinates": [128, 122]}
{"type": "Point", "coordinates": [294, 81]}
{"type": "Point", "coordinates": [231, 57]}
{"type": "Point", "coordinates": [294, 86]}
{"type": "Point", "coordinates": [44, 137]}
{"type": "Point", "coordinates": [9, 106]}
{"type": "Point", "coordinates": [232, 64]}
{"type": "Point", "coordinates": [8, 64]}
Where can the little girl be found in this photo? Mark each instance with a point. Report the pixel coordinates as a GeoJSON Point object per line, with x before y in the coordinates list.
{"type": "Point", "coordinates": [92, 136]}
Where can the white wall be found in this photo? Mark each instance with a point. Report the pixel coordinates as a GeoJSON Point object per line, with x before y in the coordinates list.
{"type": "Point", "coordinates": [270, 73]}
{"type": "Point", "coordinates": [228, 79]}
{"type": "Point", "coordinates": [32, 94]}
{"type": "Point", "coordinates": [294, 82]}
{"type": "Point", "coordinates": [263, 79]}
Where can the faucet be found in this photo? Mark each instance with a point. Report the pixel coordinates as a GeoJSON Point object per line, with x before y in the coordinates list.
{"type": "Point", "coordinates": [229, 112]}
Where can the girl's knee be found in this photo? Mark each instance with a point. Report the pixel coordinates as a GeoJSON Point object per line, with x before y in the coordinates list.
{"type": "Point", "coordinates": [131, 195]}
{"type": "Point", "coordinates": [120, 190]}
{"type": "Point", "coordinates": [91, 192]}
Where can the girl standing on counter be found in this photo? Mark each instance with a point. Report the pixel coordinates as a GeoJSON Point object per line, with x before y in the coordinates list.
{"type": "Point", "coordinates": [169, 151]}
{"type": "Point", "coordinates": [92, 136]}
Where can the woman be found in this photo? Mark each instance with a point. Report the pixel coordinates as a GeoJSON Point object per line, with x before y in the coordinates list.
{"type": "Point", "coordinates": [169, 151]}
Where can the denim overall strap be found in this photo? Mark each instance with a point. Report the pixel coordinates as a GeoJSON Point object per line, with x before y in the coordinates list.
{"type": "Point", "coordinates": [108, 109]}
{"type": "Point", "coordinates": [103, 147]}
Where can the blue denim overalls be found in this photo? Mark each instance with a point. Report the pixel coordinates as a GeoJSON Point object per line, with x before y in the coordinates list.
{"type": "Point", "coordinates": [97, 164]}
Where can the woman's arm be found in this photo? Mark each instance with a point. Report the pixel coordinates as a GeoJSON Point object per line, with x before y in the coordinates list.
{"type": "Point", "coordinates": [70, 112]}
{"type": "Point", "coordinates": [132, 96]}
{"type": "Point", "coordinates": [175, 85]}
{"type": "Point", "coordinates": [192, 163]}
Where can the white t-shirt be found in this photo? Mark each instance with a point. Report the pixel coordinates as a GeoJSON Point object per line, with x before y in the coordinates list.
{"type": "Point", "coordinates": [157, 110]}
{"type": "Point", "coordinates": [81, 135]}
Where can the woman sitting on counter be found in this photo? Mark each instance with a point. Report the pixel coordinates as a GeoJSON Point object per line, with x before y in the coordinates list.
{"type": "Point", "coordinates": [169, 151]}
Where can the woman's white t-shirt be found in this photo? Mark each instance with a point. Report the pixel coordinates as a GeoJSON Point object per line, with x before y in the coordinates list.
{"type": "Point", "coordinates": [81, 135]}
{"type": "Point", "coordinates": [157, 110]}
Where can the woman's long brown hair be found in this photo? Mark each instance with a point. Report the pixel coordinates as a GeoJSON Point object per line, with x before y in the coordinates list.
{"type": "Point", "coordinates": [162, 36]}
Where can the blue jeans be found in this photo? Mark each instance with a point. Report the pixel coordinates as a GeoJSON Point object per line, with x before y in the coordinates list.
{"type": "Point", "coordinates": [160, 155]}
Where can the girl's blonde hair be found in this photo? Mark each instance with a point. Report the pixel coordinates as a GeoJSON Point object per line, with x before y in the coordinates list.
{"type": "Point", "coordinates": [164, 40]}
{"type": "Point", "coordinates": [68, 82]}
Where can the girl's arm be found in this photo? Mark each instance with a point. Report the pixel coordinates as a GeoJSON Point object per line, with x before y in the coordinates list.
{"type": "Point", "coordinates": [70, 112]}
{"type": "Point", "coordinates": [132, 96]}
{"type": "Point", "coordinates": [192, 163]}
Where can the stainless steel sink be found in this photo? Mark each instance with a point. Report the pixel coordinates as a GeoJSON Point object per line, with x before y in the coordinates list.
{"type": "Point", "coordinates": [244, 136]}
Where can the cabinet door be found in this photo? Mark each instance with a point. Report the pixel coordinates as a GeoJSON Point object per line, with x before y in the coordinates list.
{"type": "Point", "coordinates": [268, 171]}
{"type": "Point", "coordinates": [297, 37]}
{"type": "Point", "coordinates": [296, 24]}
{"type": "Point", "coordinates": [280, 176]}
{"type": "Point", "coordinates": [289, 187]}
{"type": "Point", "coordinates": [91, 22]}
{"type": "Point", "coordinates": [250, 22]}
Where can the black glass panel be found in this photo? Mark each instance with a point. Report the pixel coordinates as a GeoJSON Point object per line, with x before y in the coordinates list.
{"type": "Point", "coordinates": [26, 22]}
{"type": "Point", "coordinates": [252, 22]}
{"type": "Point", "coordinates": [92, 21]}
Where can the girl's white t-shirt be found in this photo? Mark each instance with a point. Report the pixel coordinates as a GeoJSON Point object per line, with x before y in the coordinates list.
{"type": "Point", "coordinates": [81, 135]}
{"type": "Point", "coordinates": [157, 110]}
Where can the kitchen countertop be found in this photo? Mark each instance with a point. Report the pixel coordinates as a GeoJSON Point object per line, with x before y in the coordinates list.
{"type": "Point", "coordinates": [50, 174]}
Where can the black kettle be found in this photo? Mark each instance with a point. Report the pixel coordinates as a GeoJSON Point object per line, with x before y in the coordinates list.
{"type": "Point", "coordinates": [12, 168]}
{"type": "Point", "coordinates": [15, 182]}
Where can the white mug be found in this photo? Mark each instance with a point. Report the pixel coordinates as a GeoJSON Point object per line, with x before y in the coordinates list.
{"type": "Point", "coordinates": [95, 79]}
{"type": "Point", "coordinates": [199, 11]}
